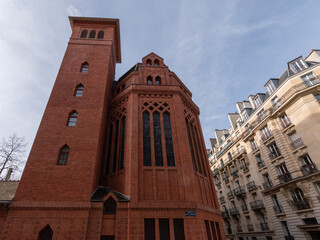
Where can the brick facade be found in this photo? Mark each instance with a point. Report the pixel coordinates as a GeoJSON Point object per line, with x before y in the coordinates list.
{"type": "Point", "coordinates": [108, 152]}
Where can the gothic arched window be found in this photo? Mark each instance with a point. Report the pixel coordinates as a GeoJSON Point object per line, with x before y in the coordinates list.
{"type": "Point", "coordinates": [149, 80]}
{"type": "Point", "coordinates": [156, 62]}
{"type": "Point", "coordinates": [63, 155]}
{"type": "Point", "coordinates": [157, 139]}
{"type": "Point", "coordinates": [73, 116]}
{"type": "Point", "coordinates": [84, 67]}
{"type": "Point", "coordinates": [79, 90]}
{"type": "Point", "coordinates": [146, 139]}
{"type": "Point", "coordinates": [110, 206]}
{"type": "Point", "coordinates": [84, 33]}
{"type": "Point", "coordinates": [46, 233]}
{"type": "Point", "coordinates": [168, 139]}
{"type": "Point", "coordinates": [148, 62]}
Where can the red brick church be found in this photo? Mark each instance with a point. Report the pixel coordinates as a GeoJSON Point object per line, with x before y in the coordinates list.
{"type": "Point", "coordinates": [112, 159]}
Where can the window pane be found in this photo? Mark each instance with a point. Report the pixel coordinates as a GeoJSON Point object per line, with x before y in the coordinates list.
{"type": "Point", "coordinates": [146, 140]}
{"type": "Point", "coordinates": [149, 229]}
{"type": "Point", "coordinates": [157, 139]}
{"type": "Point", "coordinates": [168, 139]}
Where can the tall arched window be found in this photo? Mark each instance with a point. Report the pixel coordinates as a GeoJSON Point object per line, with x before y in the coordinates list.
{"type": "Point", "coordinates": [79, 90]}
{"type": "Point", "coordinates": [157, 139]}
{"type": "Point", "coordinates": [148, 62]}
{"type": "Point", "coordinates": [168, 139]}
{"type": "Point", "coordinates": [63, 155]}
{"type": "Point", "coordinates": [46, 233]}
{"type": "Point", "coordinates": [92, 34]}
{"type": "Point", "coordinates": [156, 62]}
{"type": "Point", "coordinates": [110, 206]}
{"type": "Point", "coordinates": [84, 33]}
{"type": "Point", "coordinates": [146, 139]}
{"type": "Point", "coordinates": [84, 67]}
{"type": "Point", "coordinates": [158, 80]}
{"type": "Point", "coordinates": [149, 80]}
{"type": "Point", "coordinates": [100, 34]}
{"type": "Point", "coordinates": [72, 119]}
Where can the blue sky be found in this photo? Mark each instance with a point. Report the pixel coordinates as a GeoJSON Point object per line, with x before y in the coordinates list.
{"type": "Point", "coordinates": [222, 50]}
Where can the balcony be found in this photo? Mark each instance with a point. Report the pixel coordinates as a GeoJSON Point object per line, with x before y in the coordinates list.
{"type": "Point", "coordinates": [257, 205]}
{"type": "Point", "coordinates": [294, 89]}
{"type": "Point", "coordinates": [267, 185]}
{"type": "Point", "coordinates": [222, 199]}
{"type": "Point", "coordinates": [274, 155]}
{"type": "Point", "coordinates": [296, 143]}
{"type": "Point", "coordinates": [234, 173]}
{"type": "Point", "coordinates": [225, 214]}
{"type": "Point", "coordinates": [230, 194]}
{"type": "Point", "coordinates": [278, 209]}
{"type": "Point", "coordinates": [302, 204]}
{"type": "Point", "coordinates": [234, 211]}
{"type": "Point", "coordinates": [264, 226]}
{"type": "Point", "coordinates": [239, 228]}
{"type": "Point", "coordinates": [260, 164]}
{"type": "Point", "coordinates": [251, 185]}
{"type": "Point", "coordinates": [250, 227]}
{"type": "Point", "coordinates": [238, 153]}
{"type": "Point", "coordinates": [308, 169]}
{"type": "Point", "coordinates": [285, 178]}
{"type": "Point", "coordinates": [239, 191]}
{"type": "Point", "coordinates": [266, 136]}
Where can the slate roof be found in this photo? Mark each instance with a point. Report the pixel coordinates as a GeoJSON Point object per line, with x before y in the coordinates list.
{"type": "Point", "coordinates": [8, 190]}
{"type": "Point", "coordinates": [99, 194]}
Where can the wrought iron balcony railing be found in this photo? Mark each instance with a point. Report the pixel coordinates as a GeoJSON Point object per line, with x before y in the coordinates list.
{"type": "Point", "coordinates": [234, 173]}
{"type": "Point", "coordinates": [234, 211]}
{"type": "Point", "coordinates": [251, 185]}
{"type": "Point", "coordinates": [230, 194]}
{"type": "Point", "coordinates": [308, 169]}
{"type": "Point", "coordinates": [238, 191]}
{"type": "Point", "coordinates": [302, 204]}
{"type": "Point", "coordinates": [222, 199]}
{"type": "Point", "coordinates": [285, 178]}
{"type": "Point", "coordinates": [296, 143]}
{"type": "Point", "coordinates": [260, 164]}
{"type": "Point", "coordinates": [257, 205]}
{"type": "Point", "coordinates": [274, 155]}
{"type": "Point", "coordinates": [266, 136]}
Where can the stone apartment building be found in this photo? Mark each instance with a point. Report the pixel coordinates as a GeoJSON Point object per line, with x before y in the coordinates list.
{"type": "Point", "coordinates": [265, 166]}
{"type": "Point", "coordinates": [121, 159]}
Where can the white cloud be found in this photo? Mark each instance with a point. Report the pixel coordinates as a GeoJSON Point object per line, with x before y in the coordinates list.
{"type": "Point", "coordinates": [72, 11]}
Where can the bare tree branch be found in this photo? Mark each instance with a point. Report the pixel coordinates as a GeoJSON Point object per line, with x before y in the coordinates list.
{"type": "Point", "coordinates": [12, 154]}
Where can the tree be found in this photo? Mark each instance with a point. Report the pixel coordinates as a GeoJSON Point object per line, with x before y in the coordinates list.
{"type": "Point", "coordinates": [12, 153]}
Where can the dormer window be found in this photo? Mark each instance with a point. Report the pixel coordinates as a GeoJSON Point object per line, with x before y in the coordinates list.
{"type": "Point", "coordinates": [244, 115]}
{"type": "Point", "coordinates": [270, 88]}
{"type": "Point", "coordinates": [298, 65]}
{"type": "Point", "coordinates": [257, 102]}
{"type": "Point", "coordinates": [310, 79]}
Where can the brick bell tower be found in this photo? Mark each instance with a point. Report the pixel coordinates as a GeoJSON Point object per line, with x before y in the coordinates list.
{"type": "Point", "coordinates": [115, 160]}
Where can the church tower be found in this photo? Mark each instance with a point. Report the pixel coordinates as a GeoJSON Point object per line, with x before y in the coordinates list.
{"type": "Point", "coordinates": [115, 160]}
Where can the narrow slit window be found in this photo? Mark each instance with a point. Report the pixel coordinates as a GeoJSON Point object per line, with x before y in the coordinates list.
{"type": "Point", "coordinates": [200, 151]}
{"type": "Point", "coordinates": [73, 116]}
{"type": "Point", "coordinates": [149, 80]}
{"type": "Point", "coordinates": [92, 34]}
{"type": "Point", "coordinates": [158, 81]}
{"type": "Point", "coordinates": [190, 146]}
{"type": "Point", "coordinates": [115, 152]}
{"type": "Point", "coordinates": [84, 67]}
{"type": "Point", "coordinates": [79, 90]}
{"type": "Point", "coordinates": [157, 139]}
{"type": "Point", "coordinates": [100, 34]}
{"type": "Point", "coordinates": [63, 155]}
{"type": "Point", "coordinates": [84, 34]}
{"type": "Point", "coordinates": [146, 140]}
{"type": "Point", "coordinates": [149, 229]}
{"type": "Point", "coordinates": [178, 229]}
{"type": "Point", "coordinates": [123, 132]}
{"type": "Point", "coordinates": [164, 229]}
{"type": "Point", "coordinates": [168, 139]}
